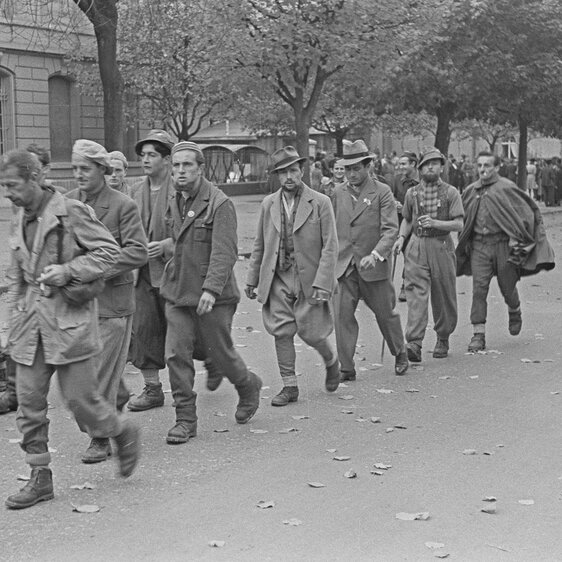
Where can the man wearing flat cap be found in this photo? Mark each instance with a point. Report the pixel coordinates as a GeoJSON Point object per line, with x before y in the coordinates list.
{"type": "Point", "coordinates": [432, 210]}
{"type": "Point", "coordinates": [367, 226]}
{"type": "Point", "coordinates": [56, 242]}
{"type": "Point", "coordinates": [201, 292]}
{"type": "Point", "coordinates": [116, 179]}
{"type": "Point", "coordinates": [116, 304]}
{"type": "Point", "coordinates": [293, 269]}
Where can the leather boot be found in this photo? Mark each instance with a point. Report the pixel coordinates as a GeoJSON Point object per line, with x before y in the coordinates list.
{"type": "Point", "coordinates": [477, 343]}
{"type": "Point", "coordinates": [414, 352]}
{"type": "Point", "coordinates": [515, 322]}
{"type": "Point", "coordinates": [287, 394]}
{"type": "Point", "coordinates": [401, 363]}
{"type": "Point", "coordinates": [182, 432]}
{"type": "Point", "coordinates": [333, 377]}
{"type": "Point", "coordinates": [98, 451]}
{"type": "Point", "coordinates": [249, 402]}
{"type": "Point", "coordinates": [128, 448]}
{"type": "Point", "coordinates": [441, 349]}
{"type": "Point", "coordinates": [38, 489]}
{"type": "Point", "coordinates": [214, 376]}
{"type": "Point", "coordinates": [152, 396]}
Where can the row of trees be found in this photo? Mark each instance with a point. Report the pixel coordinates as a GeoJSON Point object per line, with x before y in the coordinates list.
{"type": "Point", "coordinates": [284, 65]}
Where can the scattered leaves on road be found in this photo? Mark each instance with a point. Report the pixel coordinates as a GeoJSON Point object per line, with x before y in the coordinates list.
{"type": "Point", "coordinates": [316, 484]}
{"type": "Point", "coordinates": [85, 486]}
{"type": "Point", "coordinates": [265, 504]}
{"type": "Point", "coordinates": [259, 431]}
{"type": "Point", "coordinates": [290, 430]}
{"type": "Point", "coordinates": [350, 473]}
{"type": "Point", "coordinates": [375, 419]}
{"type": "Point", "coordinates": [300, 417]}
{"type": "Point", "coordinates": [469, 452]}
{"type": "Point", "coordinates": [342, 458]}
{"type": "Point", "coordinates": [216, 544]}
{"type": "Point", "coordinates": [346, 397]}
{"type": "Point", "coordinates": [221, 430]}
{"type": "Point", "coordinates": [85, 508]}
{"type": "Point", "coordinates": [490, 509]}
{"type": "Point", "coordinates": [382, 466]}
{"type": "Point", "coordinates": [292, 522]}
{"type": "Point", "coordinates": [421, 516]}
{"type": "Point", "coordinates": [384, 391]}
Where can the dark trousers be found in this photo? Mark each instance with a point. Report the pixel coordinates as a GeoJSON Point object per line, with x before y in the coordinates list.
{"type": "Point", "coordinates": [489, 258]}
{"type": "Point", "coordinates": [212, 330]}
{"type": "Point", "coordinates": [380, 297]}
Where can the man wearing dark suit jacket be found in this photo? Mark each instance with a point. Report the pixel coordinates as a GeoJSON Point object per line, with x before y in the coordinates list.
{"type": "Point", "coordinates": [200, 290]}
{"type": "Point", "coordinates": [116, 304]}
{"type": "Point", "coordinates": [367, 226]}
{"type": "Point", "coordinates": [293, 268]}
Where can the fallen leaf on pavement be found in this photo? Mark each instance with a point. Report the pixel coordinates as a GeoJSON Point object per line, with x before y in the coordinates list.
{"type": "Point", "coordinates": [384, 391]}
{"type": "Point", "coordinates": [221, 430]}
{"type": "Point", "coordinates": [342, 458]}
{"type": "Point", "coordinates": [375, 420]}
{"type": "Point", "coordinates": [412, 390]}
{"type": "Point", "coordinates": [377, 472]}
{"type": "Point", "coordinates": [421, 516]}
{"type": "Point", "coordinates": [292, 522]}
{"type": "Point", "coordinates": [290, 430]}
{"type": "Point", "coordinates": [488, 453]}
{"type": "Point", "coordinates": [417, 367]}
{"type": "Point", "coordinates": [331, 450]}
{"type": "Point", "coordinates": [260, 431]}
{"type": "Point", "coordinates": [265, 504]}
{"type": "Point", "coordinates": [14, 440]}
{"type": "Point", "coordinates": [469, 452]}
{"type": "Point", "coordinates": [473, 377]}
{"type": "Point", "coordinates": [300, 417]}
{"type": "Point", "coordinates": [316, 485]}
{"type": "Point", "coordinates": [360, 420]}
{"type": "Point", "coordinates": [434, 545]}
{"type": "Point", "coordinates": [526, 502]}
{"type": "Point", "coordinates": [346, 411]}
{"type": "Point", "coordinates": [219, 414]}
{"type": "Point", "coordinates": [216, 544]}
{"type": "Point", "coordinates": [85, 508]}
{"type": "Point", "coordinates": [23, 477]}
{"type": "Point", "coordinates": [85, 486]}
{"type": "Point", "coordinates": [442, 555]}
{"type": "Point", "coordinates": [490, 509]}
{"type": "Point", "coordinates": [489, 499]}
{"type": "Point", "coordinates": [382, 466]}
{"type": "Point", "coordinates": [445, 377]}
{"type": "Point", "coordinates": [400, 427]}
{"type": "Point", "coordinates": [350, 474]}
{"type": "Point", "coordinates": [346, 397]}
{"type": "Point", "coordinates": [525, 360]}
{"type": "Point", "coordinates": [389, 429]}
{"type": "Point", "coordinates": [240, 345]}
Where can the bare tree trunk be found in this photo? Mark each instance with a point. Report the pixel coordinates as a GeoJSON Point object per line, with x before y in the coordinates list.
{"type": "Point", "coordinates": [302, 126]}
{"type": "Point", "coordinates": [444, 116]}
{"type": "Point", "coordinates": [522, 153]}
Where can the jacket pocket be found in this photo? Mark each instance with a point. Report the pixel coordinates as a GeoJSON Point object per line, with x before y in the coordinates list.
{"type": "Point", "coordinates": [203, 231]}
{"type": "Point", "coordinates": [71, 317]}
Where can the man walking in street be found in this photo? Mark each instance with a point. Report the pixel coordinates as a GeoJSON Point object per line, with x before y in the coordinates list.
{"type": "Point", "coordinates": [432, 210]}
{"type": "Point", "coordinates": [58, 247]}
{"type": "Point", "coordinates": [367, 227]}
{"type": "Point", "coordinates": [503, 236]}
{"type": "Point", "coordinates": [200, 291]}
{"type": "Point", "coordinates": [293, 269]}
{"type": "Point", "coordinates": [116, 303]}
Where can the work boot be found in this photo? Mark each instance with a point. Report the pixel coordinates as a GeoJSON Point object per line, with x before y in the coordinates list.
{"type": "Point", "coordinates": [401, 363]}
{"type": "Point", "coordinates": [214, 376]}
{"type": "Point", "coordinates": [8, 401]}
{"type": "Point", "coordinates": [348, 376]}
{"type": "Point", "coordinates": [98, 451]}
{"type": "Point", "coordinates": [152, 396]}
{"type": "Point", "coordinates": [441, 349]}
{"type": "Point", "coordinates": [414, 352]}
{"type": "Point", "coordinates": [128, 448]}
{"type": "Point", "coordinates": [38, 489]}
{"type": "Point", "coordinates": [333, 377]}
{"type": "Point", "coordinates": [515, 322]}
{"type": "Point", "coordinates": [477, 343]}
{"type": "Point", "coordinates": [402, 294]}
{"type": "Point", "coordinates": [182, 432]}
{"type": "Point", "coordinates": [287, 394]}
{"type": "Point", "coordinates": [249, 401]}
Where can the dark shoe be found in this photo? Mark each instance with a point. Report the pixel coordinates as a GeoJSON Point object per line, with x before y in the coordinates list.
{"type": "Point", "coordinates": [8, 402]}
{"type": "Point", "coordinates": [402, 294]}
{"type": "Point", "coordinates": [128, 448]}
{"type": "Point", "coordinates": [249, 401]}
{"type": "Point", "coordinates": [348, 376]}
{"type": "Point", "coordinates": [333, 377]}
{"type": "Point", "coordinates": [477, 343]}
{"type": "Point", "coordinates": [515, 323]}
{"type": "Point", "coordinates": [152, 396]}
{"type": "Point", "coordinates": [182, 432]}
{"type": "Point", "coordinates": [287, 394]}
{"type": "Point", "coordinates": [214, 376]}
{"type": "Point", "coordinates": [414, 352]}
{"type": "Point", "coordinates": [441, 349]}
{"type": "Point", "coordinates": [38, 489]}
{"type": "Point", "coordinates": [401, 363]}
{"type": "Point", "coordinates": [98, 451]}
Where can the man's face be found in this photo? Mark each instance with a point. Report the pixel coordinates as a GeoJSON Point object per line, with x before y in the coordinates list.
{"type": "Point", "coordinates": [431, 170]}
{"type": "Point", "coordinates": [290, 178]}
{"type": "Point", "coordinates": [185, 170]}
{"type": "Point", "coordinates": [153, 163]}
{"type": "Point", "coordinates": [486, 168]}
{"type": "Point", "coordinates": [88, 174]}
{"type": "Point", "coordinates": [356, 174]}
{"type": "Point", "coordinates": [116, 179]}
{"type": "Point", "coordinates": [404, 165]}
{"type": "Point", "coordinates": [339, 172]}
{"type": "Point", "coordinates": [20, 192]}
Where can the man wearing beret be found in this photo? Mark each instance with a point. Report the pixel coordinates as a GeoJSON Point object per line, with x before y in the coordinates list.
{"type": "Point", "coordinates": [432, 210]}
{"type": "Point", "coordinates": [293, 269]}
{"type": "Point", "coordinates": [56, 242]}
{"type": "Point", "coordinates": [200, 290]}
{"type": "Point", "coordinates": [116, 304]}
{"type": "Point", "coordinates": [367, 227]}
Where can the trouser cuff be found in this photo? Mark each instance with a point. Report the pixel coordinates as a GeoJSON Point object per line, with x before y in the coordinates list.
{"type": "Point", "coordinates": [38, 459]}
{"type": "Point", "coordinates": [479, 328]}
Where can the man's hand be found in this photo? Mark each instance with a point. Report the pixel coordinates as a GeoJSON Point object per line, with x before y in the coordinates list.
{"type": "Point", "coordinates": [397, 247]}
{"type": "Point", "coordinates": [425, 221]}
{"type": "Point", "coordinates": [55, 275]}
{"type": "Point", "coordinates": [250, 292]}
{"type": "Point", "coordinates": [156, 249]}
{"type": "Point", "coordinates": [399, 206]}
{"type": "Point", "coordinates": [206, 303]}
{"type": "Point", "coordinates": [320, 296]}
{"type": "Point", "coordinates": [368, 262]}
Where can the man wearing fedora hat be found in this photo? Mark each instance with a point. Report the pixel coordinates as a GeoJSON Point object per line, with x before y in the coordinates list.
{"type": "Point", "coordinates": [432, 210]}
{"type": "Point", "coordinates": [293, 269]}
{"type": "Point", "coordinates": [367, 226]}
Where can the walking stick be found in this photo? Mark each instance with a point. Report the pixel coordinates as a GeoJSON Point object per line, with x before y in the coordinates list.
{"type": "Point", "coordinates": [392, 281]}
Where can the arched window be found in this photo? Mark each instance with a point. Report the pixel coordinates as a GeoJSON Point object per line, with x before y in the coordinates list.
{"type": "Point", "coordinates": [7, 121]}
{"type": "Point", "coordinates": [60, 118]}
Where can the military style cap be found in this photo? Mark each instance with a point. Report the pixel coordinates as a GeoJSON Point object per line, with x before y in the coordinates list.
{"type": "Point", "coordinates": [431, 154]}
{"type": "Point", "coordinates": [156, 135]}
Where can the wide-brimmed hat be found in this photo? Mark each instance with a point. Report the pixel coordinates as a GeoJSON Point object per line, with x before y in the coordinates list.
{"type": "Point", "coordinates": [155, 135]}
{"type": "Point", "coordinates": [431, 154]}
{"type": "Point", "coordinates": [94, 152]}
{"type": "Point", "coordinates": [285, 157]}
{"type": "Point", "coordinates": [355, 152]}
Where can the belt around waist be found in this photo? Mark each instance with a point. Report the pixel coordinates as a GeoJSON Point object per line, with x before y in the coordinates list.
{"type": "Point", "coordinates": [490, 238]}
{"type": "Point", "coordinates": [430, 232]}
